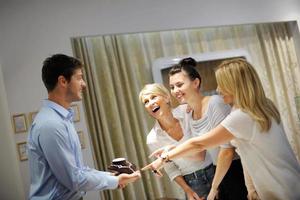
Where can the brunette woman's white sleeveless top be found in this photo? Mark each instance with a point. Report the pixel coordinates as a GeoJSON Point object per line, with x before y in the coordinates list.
{"type": "Point", "coordinates": [215, 113]}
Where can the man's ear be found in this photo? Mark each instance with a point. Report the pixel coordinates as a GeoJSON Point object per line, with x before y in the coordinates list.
{"type": "Point", "coordinates": [62, 81]}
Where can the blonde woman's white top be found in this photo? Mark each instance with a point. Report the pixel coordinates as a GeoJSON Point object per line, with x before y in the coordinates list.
{"type": "Point", "coordinates": [267, 156]}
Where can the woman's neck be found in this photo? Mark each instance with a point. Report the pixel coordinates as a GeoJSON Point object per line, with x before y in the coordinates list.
{"type": "Point", "coordinates": [166, 122]}
{"type": "Point", "coordinates": [198, 105]}
{"type": "Point", "coordinates": [171, 126]}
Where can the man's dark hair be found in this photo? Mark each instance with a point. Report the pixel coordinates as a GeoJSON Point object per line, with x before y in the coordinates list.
{"type": "Point", "coordinates": [58, 65]}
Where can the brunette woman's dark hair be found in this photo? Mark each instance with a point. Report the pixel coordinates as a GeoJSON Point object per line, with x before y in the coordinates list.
{"type": "Point", "coordinates": [187, 65]}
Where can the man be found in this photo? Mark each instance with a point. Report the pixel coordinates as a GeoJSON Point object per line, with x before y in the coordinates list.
{"type": "Point", "coordinates": [55, 159]}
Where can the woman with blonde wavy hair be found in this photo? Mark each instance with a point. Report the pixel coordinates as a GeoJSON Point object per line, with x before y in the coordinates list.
{"type": "Point", "coordinates": [249, 98]}
{"type": "Point", "coordinates": [255, 129]}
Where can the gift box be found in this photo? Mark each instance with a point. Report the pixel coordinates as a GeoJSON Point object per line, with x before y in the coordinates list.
{"type": "Point", "coordinates": [120, 166]}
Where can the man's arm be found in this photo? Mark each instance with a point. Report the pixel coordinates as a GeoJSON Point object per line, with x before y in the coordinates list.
{"type": "Point", "coordinates": [59, 153]}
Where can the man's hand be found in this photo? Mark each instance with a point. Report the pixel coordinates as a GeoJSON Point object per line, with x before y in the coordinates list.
{"type": "Point", "coordinates": [124, 179]}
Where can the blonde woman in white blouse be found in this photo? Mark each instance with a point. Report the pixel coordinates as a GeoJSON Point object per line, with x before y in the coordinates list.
{"type": "Point", "coordinates": [170, 130]}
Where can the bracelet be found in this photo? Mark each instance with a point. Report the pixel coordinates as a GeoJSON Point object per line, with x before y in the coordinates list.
{"type": "Point", "coordinates": [165, 158]}
{"type": "Point", "coordinates": [166, 149]}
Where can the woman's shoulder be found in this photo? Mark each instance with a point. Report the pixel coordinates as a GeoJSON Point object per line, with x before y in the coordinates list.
{"type": "Point", "coordinates": [179, 111]}
{"type": "Point", "coordinates": [216, 99]}
{"type": "Point", "coordinates": [156, 140]}
{"type": "Point", "coordinates": [154, 133]}
{"type": "Point", "coordinates": [152, 136]}
{"type": "Point", "coordinates": [240, 116]}
{"type": "Point", "coordinates": [216, 103]}
{"type": "Point", "coordinates": [239, 124]}
{"type": "Point", "coordinates": [239, 112]}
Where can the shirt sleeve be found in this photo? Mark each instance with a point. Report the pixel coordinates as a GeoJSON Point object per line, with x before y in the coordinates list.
{"type": "Point", "coordinates": [226, 146]}
{"type": "Point", "coordinates": [219, 112]}
{"type": "Point", "coordinates": [57, 149]}
{"type": "Point", "coordinates": [171, 168]}
{"type": "Point", "coordinates": [239, 124]}
{"type": "Point", "coordinates": [179, 111]}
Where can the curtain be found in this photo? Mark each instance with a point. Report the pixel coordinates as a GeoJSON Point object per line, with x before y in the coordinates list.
{"type": "Point", "coordinates": [280, 74]}
{"type": "Point", "coordinates": [116, 120]}
{"type": "Point", "coordinates": [118, 66]}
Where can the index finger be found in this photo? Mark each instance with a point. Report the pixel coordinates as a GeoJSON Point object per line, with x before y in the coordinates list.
{"type": "Point", "coordinates": [158, 172]}
{"type": "Point", "coordinates": [147, 167]}
{"type": "Point", "coordinates": [136, 174]}
{"type": "Point", "coordinates": [156, 153]}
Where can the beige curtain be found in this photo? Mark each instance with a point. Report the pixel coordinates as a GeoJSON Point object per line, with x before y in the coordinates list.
{"type": "Point", "coordinates": [281, 75]}
{"type": "Point", "coordinates": [116, 120]}
{"type": "Point", "coordinates": [117, 67]}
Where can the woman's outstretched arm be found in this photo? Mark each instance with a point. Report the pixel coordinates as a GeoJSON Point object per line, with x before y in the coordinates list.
{"type": "Point", "coordinates": [215, 137]}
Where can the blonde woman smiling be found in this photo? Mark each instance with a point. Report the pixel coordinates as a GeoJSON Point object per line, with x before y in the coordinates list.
{"type": "Point", "coordinates": [169, 129]}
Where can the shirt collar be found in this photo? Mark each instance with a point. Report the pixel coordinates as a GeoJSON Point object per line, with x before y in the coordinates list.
{"type": "Point", "coordinates": [65, 113]}
{"type": "Point", "coordinates": [157, 128]}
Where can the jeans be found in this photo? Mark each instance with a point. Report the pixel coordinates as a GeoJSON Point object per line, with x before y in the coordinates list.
{"type": "Point", "coordinates": [200, 181]}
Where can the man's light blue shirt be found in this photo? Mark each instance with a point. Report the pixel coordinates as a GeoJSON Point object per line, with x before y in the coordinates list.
{"type": "Point", "coordinates": [55, 159]}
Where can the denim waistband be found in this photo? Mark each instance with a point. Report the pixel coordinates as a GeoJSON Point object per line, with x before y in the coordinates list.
{"type": "Point", "coordinates": [199, 172]}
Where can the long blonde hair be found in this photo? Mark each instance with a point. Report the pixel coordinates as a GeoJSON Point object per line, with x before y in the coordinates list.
{"type": "Point", "coordinates": [237, 77]}
{"type": "Point", "coordinates": [154, 88]}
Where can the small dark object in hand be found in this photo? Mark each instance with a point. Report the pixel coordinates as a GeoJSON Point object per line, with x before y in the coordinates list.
{"type": "Point", "coordinates": [120, 166]}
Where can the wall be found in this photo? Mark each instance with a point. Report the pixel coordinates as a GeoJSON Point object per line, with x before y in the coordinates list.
{"type": "Point", "coordinates": [12, 187]}
{"type": "Point", "coordinates": [34, 29]}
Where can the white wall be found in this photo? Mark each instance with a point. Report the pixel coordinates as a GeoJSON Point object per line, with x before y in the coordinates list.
{"type": "Point", "coordinates": [34, 29]}
{"type": "Point", "coordinates": [10, 186]}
